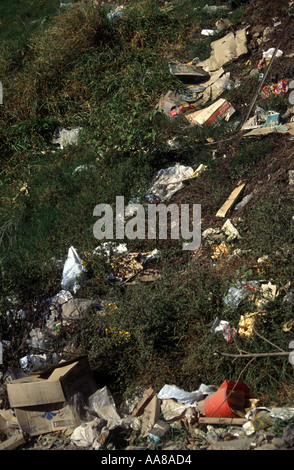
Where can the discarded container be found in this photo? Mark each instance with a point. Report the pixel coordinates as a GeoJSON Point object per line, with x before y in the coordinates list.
{"type": "Point", "coordinates": [42, 400]}
{"type": "Point", "coordinates": [221, 404]}
{"type": "Point", "coordinates": [256, 424]}
{"type": "Point", "coordinates": [212, 114]}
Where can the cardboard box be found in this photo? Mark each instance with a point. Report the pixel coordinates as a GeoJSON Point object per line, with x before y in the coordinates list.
{"type": "Point", "coordinates": [212, 114]}
{"type": "Point", "coordinates": [42, 400]}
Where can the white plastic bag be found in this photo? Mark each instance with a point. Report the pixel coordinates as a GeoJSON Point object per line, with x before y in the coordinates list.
{"type": "Point", "coordinates": [72, 270]}
{"type": "Point", "coordinates": [172, 391]}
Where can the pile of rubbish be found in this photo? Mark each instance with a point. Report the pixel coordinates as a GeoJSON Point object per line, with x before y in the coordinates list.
{"type": "Point", "coordinates": [64, 397]}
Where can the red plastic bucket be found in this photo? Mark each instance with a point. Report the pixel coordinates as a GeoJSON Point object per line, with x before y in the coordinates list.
{"type": "Point", "coordinates": [219, 404]}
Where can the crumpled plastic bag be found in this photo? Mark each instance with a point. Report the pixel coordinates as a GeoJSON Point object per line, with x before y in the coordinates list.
{"type": "Point", "coordinates": [86, 434]}
{"type": "Point", "coordinates": [103, 404]}
{"type": "Point", "coordinates": [65, 137]}
{"type": "Point", "coordinates": [172, 391]}
{"type": "Point", "coordinates": [72, 270]}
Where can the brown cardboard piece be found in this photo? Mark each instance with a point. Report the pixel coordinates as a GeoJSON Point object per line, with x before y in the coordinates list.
{"type": "Point", "coordinates": [150, 416]}
{"type": "Point", "coordinates": [139, 409]}
{"type": "Point", "coordinates": [12, 442]}
{"type": "Point", "coordinates": [226, 49]}
{"type": "Point", "coordinates": [42, 401]}
{"type": "Point", "coordinates": [221, 109]}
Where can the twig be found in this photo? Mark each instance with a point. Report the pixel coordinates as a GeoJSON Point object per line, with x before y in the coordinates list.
{"type": "Point", "coordinates": [254, 355]}
{"type": "Point", "coordinates": [267, 341]}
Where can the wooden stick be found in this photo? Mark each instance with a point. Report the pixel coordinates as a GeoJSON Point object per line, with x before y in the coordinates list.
{"type": "Point", "coordinates": [273, 354]}
{"type": "Point", "coordinates": [223, 421]}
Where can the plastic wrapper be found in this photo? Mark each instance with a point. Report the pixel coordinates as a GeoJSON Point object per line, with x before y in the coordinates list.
{"type": "Point", "coordinates": [172, 391]}
{"type": "Point", "coordinates": [72, 271]}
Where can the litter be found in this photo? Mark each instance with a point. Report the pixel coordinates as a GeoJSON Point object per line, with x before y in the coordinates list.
{"type": "Point", "coordinates": [186, 398]}
{"type": "Point", "coordinates": [230, 231]}
{"type": "Point", "coordinates": [225, 50]}
{"type": "Point", "coordinates": [173, 410]}
{"type": "Point", "coordinates": [170, 180]}
{"type": "Point", "coordinates": [219, 250]}
{"type": "Point", "coordinates": [244, 201]}
{"type": "Point", "coordinates": [86, 434]}
{"type": "Point", "coordinates": [260, 291]}
{"type": "Point", "coordinates": [131, 264]}
{"type": "Point", "coordinates": [280, 129]}
{"type": "Point", "coordinates": [212, 9]}
{"type": "Point", "coordinates": [208, 32]}
{"type": "Point", "coordinates": [231, 399]}
{"type": "Point", "coordinates": [188, 73]}
{"type": "Point", "coordinates": [116, 13]}
{"type": "Point", "coordinates": [173, 104]}
{"type": "Point", "coordinates": [217, 111]}
{"type": "Point", "coordinates": [41, 401]}
{"type": "Point", "coordinates": [215, 86]}
{"type": "Point", "coordinates": [291, 177]}
{"type": "Point", "coordinates": [262, 421]}
{"type": "Point", "coordinates": [248, 321]}
{"type": "Point", "coordinates": [64, 137]}
{"type": "Point", "coordinates": [159, 431]}
{"type": "Point", "coordinates": [231, 201]}
{"type": "Point", "coordinates": [33, 362]}
{"type": "Point", "coordinates": [150, 416]}
{"type": "Point", "coordinates": [72, 271]}
{"type": "Point", "coordinates": [280, 89]}
{"type": "Point", "coordinates": [270, 52]}
{"type": "Point", "coordinates": [103, 404]}
{"type": "Point", "coordinates": [228, 332]}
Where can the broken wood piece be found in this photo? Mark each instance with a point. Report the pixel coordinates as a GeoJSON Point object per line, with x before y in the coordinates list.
{"type": "Point", "coordinates": [138, 410]}
{"type": "Point", "coordinates": [13, 442]}
{"type": "Point", "coordinates": [231, 201]}
{"type": "Point", "coordinates": [223, 421]}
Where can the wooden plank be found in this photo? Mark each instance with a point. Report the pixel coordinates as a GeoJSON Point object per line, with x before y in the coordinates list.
{"type": "Point", "coordinates": [223, 421]}
{"type": "Point", "coordinates": [230, 202]}
{"type": "Point", "coordinates": [13, 442]}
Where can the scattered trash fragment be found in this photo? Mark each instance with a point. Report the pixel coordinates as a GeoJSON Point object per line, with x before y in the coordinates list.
{"type": "Point", "coordinates": [188, 73]}
{"type": "Point", "coordinates": [243, 203]}
{"type": "Point", "coordinates": [217, 111]}
{"type": "Point", "coordinates": [230, 231]}
{"type": "Point", "coordinates": [262, 421]}
{"type": "Point", "coordinates": [208, 32]}
{"type": "Point", "coordinates": [228, 332]}
{"type": "Point", "coordinates": [280, 89]}
{"type": "Point", "coordinates": [64, 137]}
{"type": "Point", "coordinates": [170, 180]}
{"type": "Point", "coordinates": [72, 271]}
{"type": "Point", "coordinates": [248, 321]}
{"type": "Point", "coordinates": [186, 398]}
{"type": "Point", "coordinates": [231, 201]}
{"type": "Point", "coordinates": [225, 50]}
